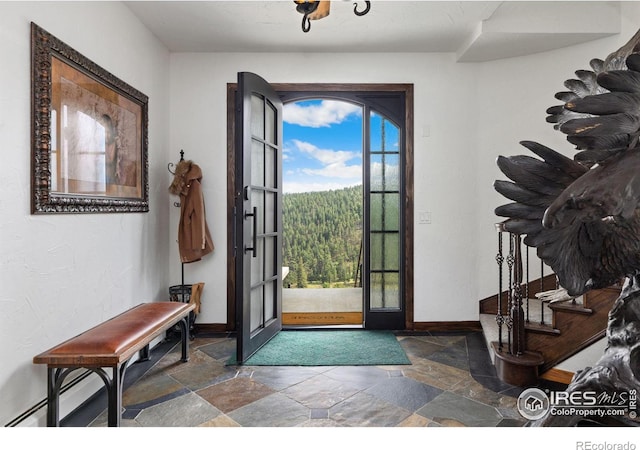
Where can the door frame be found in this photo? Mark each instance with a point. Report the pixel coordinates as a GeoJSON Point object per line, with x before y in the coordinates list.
{"type": "Point", "coordinates": [320, 88]}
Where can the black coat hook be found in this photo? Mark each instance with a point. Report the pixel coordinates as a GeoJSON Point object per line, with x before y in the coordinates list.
{"type": "Point", "coordinates": [171, 165]}
{"type": "Point", "coordinates": [172, 172]}
{"type": "Point", "coordinates": [363, 12]}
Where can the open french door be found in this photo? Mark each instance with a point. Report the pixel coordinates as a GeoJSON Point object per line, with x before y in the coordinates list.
{"type": "Point", "coordinates": [258, 214]}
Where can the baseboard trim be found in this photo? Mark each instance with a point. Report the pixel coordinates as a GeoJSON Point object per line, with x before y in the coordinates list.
{"type": "Point", "coordinates": [211, 328]}
{"type": "Point", "coordinates": [463, 325]}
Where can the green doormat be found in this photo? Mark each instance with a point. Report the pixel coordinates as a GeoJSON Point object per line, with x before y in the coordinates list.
{"type": "Point", "coordinates": [329, 348]}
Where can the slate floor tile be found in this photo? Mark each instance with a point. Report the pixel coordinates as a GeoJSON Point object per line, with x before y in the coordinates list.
{"type": "Point", "coordinates": [187, 411]}
{"type": "Point", "coordinates": [451, 409]}
{"type": "Point", "coordinates": [221, 350]}
{"type": "Point", "coordinates": [364, 410]}
{"type": "Point", "coordinates": [235, 393]}
{"type": "Point", "coordinates": [320, 391]}
{"type": "Point", "coordinates": [360, 377]}
{"type": "Point", "coordinates": [404, 392]}
{"type": "Point", "coordinates": [454, 355]}
{"type": "Point", "coordinates": [149, 388]}
{"type": "Point", "coordinates": [262, 412]}
{"type": "Point", "coordinates": [450, 383]}
{"type": "Point", "coordinates": [282, 377]}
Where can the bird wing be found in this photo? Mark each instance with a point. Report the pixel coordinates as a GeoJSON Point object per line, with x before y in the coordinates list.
{"type": "Point", "coordinates": [582, 213]}
{"type": "Point", "coordinates": [584, 222]}
{"type": "Point", "coordinates": [600, 113]}
{"type": "Point", "coordinates": [536, 184]}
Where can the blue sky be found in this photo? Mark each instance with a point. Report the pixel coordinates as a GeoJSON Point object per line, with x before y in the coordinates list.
{"type": "Point", "coordinates": [322, 145]}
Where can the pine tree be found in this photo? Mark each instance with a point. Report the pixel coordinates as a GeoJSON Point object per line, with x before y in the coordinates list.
{"type": "Point", "coordinates": [301, 275]}
{"type": "Point", "coordinates": [322, 234]}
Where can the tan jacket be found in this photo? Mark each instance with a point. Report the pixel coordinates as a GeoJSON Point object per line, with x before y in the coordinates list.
{"type": "Point", "coordinates": [194, 239]}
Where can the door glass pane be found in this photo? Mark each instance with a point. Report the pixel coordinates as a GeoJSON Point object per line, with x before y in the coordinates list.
{"type": "Point", "coordinates": [257, 264]}
{"type": "Point", "coordinates": [257, 201]}
{"type": "Point", "coordinates": [271, 124]}
{"type": "Point", "coordinates": [270, 269]}
{"type": "Point", "coordinates": [270, 300]}
{"type": "Point", "coordinates": [257, 116]}
{"type": "Point", "coordinates": [385, 212]}
{"type": "Point", "coordinates": [257, 163]}
{"type": "Point", "coordinates": [272, 168]}
{"type": "Point", "coordinates": [385, 291]}
{"type": "Point", "coordinates": [270, 211]}
{"type": "Point", "coordinates": [385, 172]}
{"type": "Point", "coordinates": [385, 251]}
{"type": "Point", "coordinates": [257, 308]}
{"type": "Point", "coordinates": [385, 135]}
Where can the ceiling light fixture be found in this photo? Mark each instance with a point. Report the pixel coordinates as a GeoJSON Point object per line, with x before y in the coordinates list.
{"type": "Point", "coordinates": [318, 9]}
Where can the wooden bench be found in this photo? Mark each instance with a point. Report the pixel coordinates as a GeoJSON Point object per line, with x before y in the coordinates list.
{"type": "Point", "coordinates": [111, 345]}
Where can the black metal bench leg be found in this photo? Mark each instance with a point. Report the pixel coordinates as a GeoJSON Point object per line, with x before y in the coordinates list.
{"type": "Point", "coordinates": [144, 354]}
{"type": "Point", "coordinates": [53, 395]}
{"type": "Point", "coordinates": [114, 392]}
{"type": "Point", "coordinates": [184, 334]}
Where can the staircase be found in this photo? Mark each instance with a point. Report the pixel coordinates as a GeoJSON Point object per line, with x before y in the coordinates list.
{"type": "Point", "coordinates": [527, 336]}
{"type": "Point", "coordinates": [574, 326]}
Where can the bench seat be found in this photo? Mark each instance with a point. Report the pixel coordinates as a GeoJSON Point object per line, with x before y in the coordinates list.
{"type": "Point", "coordinates": [111, 344]}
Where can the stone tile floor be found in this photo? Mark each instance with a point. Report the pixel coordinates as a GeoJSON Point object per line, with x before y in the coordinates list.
{"type": "Point", "coordinates": [450, 383]}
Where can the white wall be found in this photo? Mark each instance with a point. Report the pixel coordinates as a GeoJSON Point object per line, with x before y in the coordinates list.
{"type": "Point", "coordinates": [445, 160]}
{"type": "Point", "coordinates": [61, 274]}
{"type": "Point", "coordinates": [466, 114]}
{"type": "Point", "coordinates": [513, 95]}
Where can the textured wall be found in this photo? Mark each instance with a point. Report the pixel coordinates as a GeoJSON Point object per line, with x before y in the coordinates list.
{"type": "Point", "coordinates": [61, 274]}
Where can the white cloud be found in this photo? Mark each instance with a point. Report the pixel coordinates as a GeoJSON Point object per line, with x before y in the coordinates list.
{"type": "Point", "coordinates": [324, 114]}
{"type": "Point", "coordinates": [334, 162]}
{"type": "Point", "coordinates": [334, 171]}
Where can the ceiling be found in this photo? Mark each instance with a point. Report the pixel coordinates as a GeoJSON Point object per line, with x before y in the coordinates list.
{"type": "Point", "coordinates": [473, 30]}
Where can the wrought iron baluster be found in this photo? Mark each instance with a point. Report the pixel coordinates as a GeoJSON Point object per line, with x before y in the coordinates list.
{"type": "Point", "coordinates": [508, 320]}
{"type": "Point", "coordinates": [541, 290]}
{"type": "Point", "coordinates": [526, 286]}
{"type": "Point", "coordinates": [499, 261]}
{"type": "Point", "coordinates": [516, 312]}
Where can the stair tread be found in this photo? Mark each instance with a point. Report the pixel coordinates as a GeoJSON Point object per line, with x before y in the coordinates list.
{"type": "Point", "coordinates": [536, 327]}
{"type": "Point", "coordinates": [571, 307]}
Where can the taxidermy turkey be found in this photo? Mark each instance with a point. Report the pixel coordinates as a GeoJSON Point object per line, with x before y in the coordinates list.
{"type": "Point", "coordinates": [582, 214]}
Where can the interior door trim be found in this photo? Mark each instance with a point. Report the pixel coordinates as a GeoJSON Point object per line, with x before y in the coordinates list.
{"type": "Point", "coordinates": [320, 88]}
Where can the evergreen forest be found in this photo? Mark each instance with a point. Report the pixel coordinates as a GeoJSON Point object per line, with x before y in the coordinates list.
{"type": "Point", "coordinates": [322, 236]}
